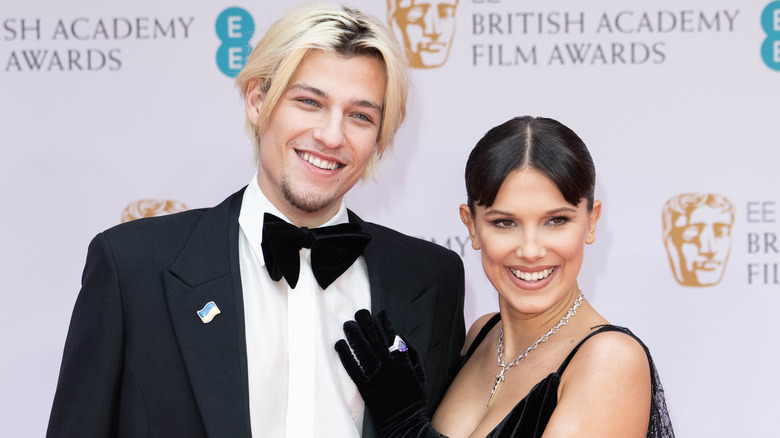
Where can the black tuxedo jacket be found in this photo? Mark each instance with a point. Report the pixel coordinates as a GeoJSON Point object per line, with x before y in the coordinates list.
{"type": "Point", "coordinates": [139, 362]}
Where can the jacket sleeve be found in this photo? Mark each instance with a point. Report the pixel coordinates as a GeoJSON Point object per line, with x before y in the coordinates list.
{"type": "Point", "coordinates": [86, 401]}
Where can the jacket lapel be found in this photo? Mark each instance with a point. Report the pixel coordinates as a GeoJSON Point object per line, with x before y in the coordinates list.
{"type": "Point", "coordinates": [403, 294]}
{"type": "Point", "coordinates": [215, 352]}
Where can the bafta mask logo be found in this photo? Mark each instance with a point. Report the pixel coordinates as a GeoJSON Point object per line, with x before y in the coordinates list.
{"type": "Point", "coordinates": [426, 28]}
{"type": "Point", "coordinates": [697, 237]}
{"type": "Point", "coordinates": [150, 208]}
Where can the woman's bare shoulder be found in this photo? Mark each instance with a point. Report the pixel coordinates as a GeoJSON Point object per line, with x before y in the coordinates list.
{"type": "Point", "coordinates": [609, 354]}
{"type": "Point", "coordinates": [606, 388]}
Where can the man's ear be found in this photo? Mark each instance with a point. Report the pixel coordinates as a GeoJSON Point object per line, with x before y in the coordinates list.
{"type": "Point", "coordinates": [594, 216]}
{"type": "Point", "coordinates": [468, 221]}
{"type": "Point", "coordinates": [253, 101]}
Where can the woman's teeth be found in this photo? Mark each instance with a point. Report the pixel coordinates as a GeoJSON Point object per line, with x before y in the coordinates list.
{"type": "Point", "coordinates": [532, 276]}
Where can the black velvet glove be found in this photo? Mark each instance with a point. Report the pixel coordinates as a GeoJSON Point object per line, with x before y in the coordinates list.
{"type": "Point", "coordinates": [392, 383]}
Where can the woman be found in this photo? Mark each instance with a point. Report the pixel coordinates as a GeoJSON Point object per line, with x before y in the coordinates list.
{"type": "Point", "coordinates": [547, 364]}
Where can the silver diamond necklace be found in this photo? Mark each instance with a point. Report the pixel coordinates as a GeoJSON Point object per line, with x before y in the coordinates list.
{"type": "Point", "coordinates": [505, 367]}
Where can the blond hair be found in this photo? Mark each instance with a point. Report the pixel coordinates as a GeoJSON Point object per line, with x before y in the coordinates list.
{"type": "Point", "coordinates": [334, 29]}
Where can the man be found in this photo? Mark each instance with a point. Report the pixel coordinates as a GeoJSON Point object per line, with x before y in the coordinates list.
{"type": "Point", "coordinates": [697, 236]}
{"type": "Point", "coordinates": [191, 325]}
{"type": "Point", "coordinates": [426, 28]}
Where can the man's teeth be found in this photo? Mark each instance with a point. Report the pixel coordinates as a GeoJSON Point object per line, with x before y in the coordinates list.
{"type": "Point", "coordinates": [322, 164]}
{"type": "Point", "coordinates": [532, 276]}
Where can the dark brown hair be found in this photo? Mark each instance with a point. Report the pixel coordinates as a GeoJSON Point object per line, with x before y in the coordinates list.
{"type": "Point", "coordinates": [543, 144]}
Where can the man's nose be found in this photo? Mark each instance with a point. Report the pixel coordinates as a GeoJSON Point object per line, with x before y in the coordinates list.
{"type": "Point", "coordinates": [330, 132]}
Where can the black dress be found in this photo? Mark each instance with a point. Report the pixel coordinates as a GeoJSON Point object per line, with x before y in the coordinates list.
{"type": "Point", "coordinates": [529, 417]}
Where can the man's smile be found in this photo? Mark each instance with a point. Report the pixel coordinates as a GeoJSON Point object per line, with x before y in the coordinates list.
{"type": "Point", "coordinates": [318, 162]}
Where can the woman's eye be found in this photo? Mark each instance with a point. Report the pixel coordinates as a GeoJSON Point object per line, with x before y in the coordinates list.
{"type": "Point", "coordinates": [559, 220]}
{"type": "Point", "coordinates": [503, 223]}
{"type": "Point", "coordinates": [306, 101]}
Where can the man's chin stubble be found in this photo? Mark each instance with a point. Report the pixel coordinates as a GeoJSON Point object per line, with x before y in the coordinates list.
{"type": "Point", "coordinates": [306, 202]}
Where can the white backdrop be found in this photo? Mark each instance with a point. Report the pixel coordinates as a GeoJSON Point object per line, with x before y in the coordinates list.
{"type": "Point", "coordinates": [106, 103]}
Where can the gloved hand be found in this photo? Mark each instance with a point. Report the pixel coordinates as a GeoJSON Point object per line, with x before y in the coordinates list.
{"type": "Point", "coordinates": [392, 383]}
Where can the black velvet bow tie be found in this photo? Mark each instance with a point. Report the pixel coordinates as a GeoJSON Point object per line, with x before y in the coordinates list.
{"type": "Point", "coordinates": [333, 249]}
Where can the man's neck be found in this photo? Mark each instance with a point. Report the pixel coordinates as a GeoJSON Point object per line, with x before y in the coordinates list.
{"type": "Point", "coordinates": [297, 216]}
{"type": "Point", "coordinates": [301, 218]}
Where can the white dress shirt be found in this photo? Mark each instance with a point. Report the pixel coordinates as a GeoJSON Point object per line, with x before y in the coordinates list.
{"type": "Point", "coordinates": [297, 385]}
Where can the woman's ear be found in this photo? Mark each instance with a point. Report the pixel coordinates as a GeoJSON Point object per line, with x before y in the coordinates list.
{"type": "Point", "coordinates": [594, 216]}
{"type": "Point", "coordinates": [253, 101]}
{"type": "Point", "coordinates": [468, 221]}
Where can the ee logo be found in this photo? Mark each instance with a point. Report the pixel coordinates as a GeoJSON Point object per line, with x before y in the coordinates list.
{"type": "Point", "coordinates": [235, 27]}
{"type": "Point", "coordinates": [770, 21]}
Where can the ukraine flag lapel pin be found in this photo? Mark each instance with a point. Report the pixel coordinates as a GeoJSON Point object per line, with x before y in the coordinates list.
{"type": "Point", "coordinates": [208, 312]}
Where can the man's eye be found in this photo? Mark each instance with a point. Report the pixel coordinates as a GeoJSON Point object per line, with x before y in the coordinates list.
{"type": "Point", "coordinates": [364, 118]}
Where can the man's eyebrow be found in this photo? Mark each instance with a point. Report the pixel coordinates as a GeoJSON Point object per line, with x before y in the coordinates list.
{"type": "Point", "coordinates": [368, 104]}
{"type": "Point", "coordinates": [358, 102]}
{"type": "Point", "coordinates": [310, 89]}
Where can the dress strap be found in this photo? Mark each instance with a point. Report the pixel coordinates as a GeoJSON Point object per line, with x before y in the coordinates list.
{"type": "Point", "coordinates": [482, 333]}
{"type": "Point", "coordinates": [601, 329]}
